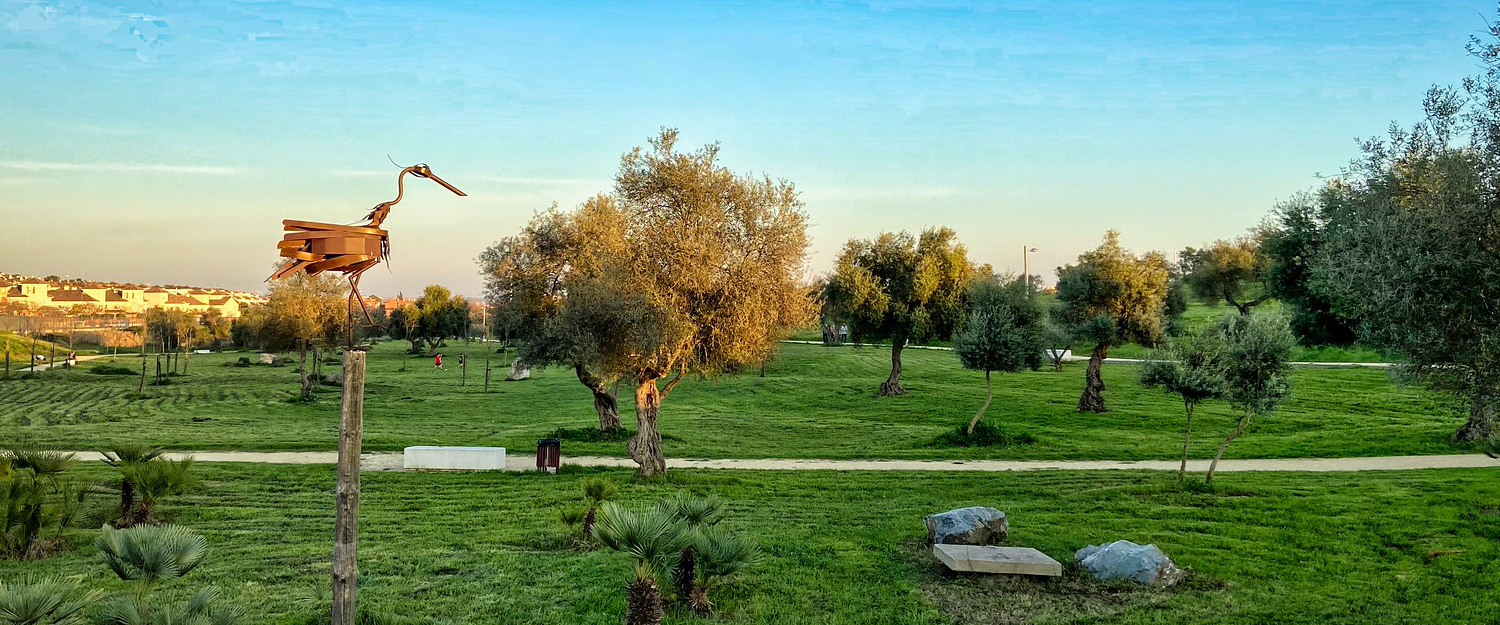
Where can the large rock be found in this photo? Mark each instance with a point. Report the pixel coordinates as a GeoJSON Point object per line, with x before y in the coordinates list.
{"type": "Point", "coordinates": [518, 371]}
{"type": "Point", "coordinates": [265, 359]}
{"type": "Point", "coordinates": [1124, 559]}
{"type": "Point", "coordinates": [975, 525]}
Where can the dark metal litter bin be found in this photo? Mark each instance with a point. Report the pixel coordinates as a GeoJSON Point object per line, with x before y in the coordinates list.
{"type": "Point", "coordinates": [548, 454]}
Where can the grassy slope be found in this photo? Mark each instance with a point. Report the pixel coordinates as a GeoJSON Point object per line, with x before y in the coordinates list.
{"type": "Point", "coordinates": [814, 402]}
{"type": "Point", "coordinates": [19, 348]}
{"type": "Point", "coordinates": [842, 547]}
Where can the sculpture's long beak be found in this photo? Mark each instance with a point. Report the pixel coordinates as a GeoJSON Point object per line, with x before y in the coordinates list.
{"type": "Point", "coordinates": [445, 184]}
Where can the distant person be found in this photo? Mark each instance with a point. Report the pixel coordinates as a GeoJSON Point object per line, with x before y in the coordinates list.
{"type": "Point", "coordinates": [72, 359]}
{"type": "Point", "coordinates": [437, 361]}
{"type": "Point", "coordinates": [463, 359]}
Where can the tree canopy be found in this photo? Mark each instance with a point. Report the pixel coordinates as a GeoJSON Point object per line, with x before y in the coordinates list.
{"type": "Point", "coordinates": [438, 314]}
{"type": "Point", "coordinates": [901, 288]}
{"type": "Point", "coordinates": [1411, 250]}
{"type": "Point", "coordinates": [1233, 272]}
{"type": "Point", "coordinates": [705, 278]}
{"type": "Point", "coordinates": [1003, 331]}
{"type": "Point", "coordinates": [1111, 296]}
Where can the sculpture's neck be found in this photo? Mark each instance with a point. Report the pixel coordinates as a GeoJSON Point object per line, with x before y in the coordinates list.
{"type": "Point", "coordinates": [384, 209]}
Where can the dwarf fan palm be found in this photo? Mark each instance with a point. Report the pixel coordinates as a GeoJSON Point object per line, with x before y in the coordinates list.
{"type": "Point", "coordinates": [49, 601]}
{"type": "Point", "coordinates": [595, 491]}
{"type": "Point", "coordinates": [651, 537]}
{"type": "Point", "coordinates": [126, 458]}
{"type": "Point", "coordinates": [721, 554]}
{"type": "Point", "coordinates": [156, 479]}
{"type": "Point", "coordinates": [695, 513]}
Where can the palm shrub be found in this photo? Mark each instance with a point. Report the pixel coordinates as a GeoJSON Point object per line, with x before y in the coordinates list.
{"type": "Point", "coordinates": [595, 491]}
{"type": "Point", "coordinates": [721, 554]}
{"type": "Point", "coordinates": [695, 513]}
{"type": "Point", "coordinates": [49, 601]}
{"type": "Point", "coordinates": [1191, 368]}
{"type": "Point", "coordinates": [149, 555]}
{"type": "Point", "coordinates": [35, 497]}
{"type": "Point", "coordinates": [651, 537]}
{"type": "Point", "coordinates": [156, 479]}
{"type": "Point", "coordinates": [125, 458]}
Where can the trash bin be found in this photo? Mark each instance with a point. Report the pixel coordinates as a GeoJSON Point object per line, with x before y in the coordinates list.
{"type": "Point", "coordinates": [548, 454]}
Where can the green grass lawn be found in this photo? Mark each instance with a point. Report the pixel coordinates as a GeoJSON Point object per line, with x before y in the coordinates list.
{"type": "Point", "coordinates": [814, 402]}
{"type": "Point", "coordinates": [1356, 548]}
{"type": "Point", "coordinates": [1194, 319]}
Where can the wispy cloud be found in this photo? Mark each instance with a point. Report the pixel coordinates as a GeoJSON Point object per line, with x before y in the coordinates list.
{"type": "Point", "coordinates": [212, 170]}
{"type": "Point", "coordinates": [876, 193]}
{"type": "Point", "coordinates": [545, 182]}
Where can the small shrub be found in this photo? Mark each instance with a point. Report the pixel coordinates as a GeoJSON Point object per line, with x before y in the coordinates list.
{"type": "Point", "coordinates": [595, 435]}
{"type": "Point", "coordinates": [985, 435]}
{"type": "Point", "coordinates": [108, 369]}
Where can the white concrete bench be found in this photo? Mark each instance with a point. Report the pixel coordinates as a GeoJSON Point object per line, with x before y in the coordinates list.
{"type": "Point", "coordinates": [460, 458]}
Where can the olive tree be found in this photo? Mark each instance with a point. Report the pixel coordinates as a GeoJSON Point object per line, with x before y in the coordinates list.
{"type": "Point", "coordinates": [304, 308]}
{"type": "Point", "coordinates": [1230, 271]}
{"type": "Point", "coordinates": [901, 288]}
{"type": "Point", "coordinates": [1003, 332]}
{"type": "Point", "coordinates": [1293, 245]}
{"type": "Point", "coordinates": [706, 280]}
{"type": "Point", "coordinates": [1111, 296]}
{"type": "Point", "coordinates": [1412, 254]}
{"type": "Point", "coordinates": [525, 282]}
{"type": "Point", "coordinates": [1192, 368]}
{"type": "Point", "coordinates": [1256, 365]}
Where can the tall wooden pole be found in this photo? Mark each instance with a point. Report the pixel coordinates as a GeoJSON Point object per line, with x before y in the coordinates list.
{"type": "Point", "coordinates": [346, 494]}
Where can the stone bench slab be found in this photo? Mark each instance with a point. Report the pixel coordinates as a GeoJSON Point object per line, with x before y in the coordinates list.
{"type": "Point", "coordinates": [1006, 560]}
{"type": "Point", "coordinates": [454, 458]}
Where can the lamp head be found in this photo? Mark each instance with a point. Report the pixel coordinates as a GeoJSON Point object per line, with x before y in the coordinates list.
{"type": "Point", "coordinates": [421, 170]}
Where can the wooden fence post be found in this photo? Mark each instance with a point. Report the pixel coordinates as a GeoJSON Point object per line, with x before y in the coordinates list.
{"type": "Point", "coordinates": [346, 494]}
{"type": "Point", "coordinates": [486, 370]}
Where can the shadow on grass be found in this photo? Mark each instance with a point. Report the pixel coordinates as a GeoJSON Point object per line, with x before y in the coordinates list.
{"type": "Point", "coordinates": [984, 435]}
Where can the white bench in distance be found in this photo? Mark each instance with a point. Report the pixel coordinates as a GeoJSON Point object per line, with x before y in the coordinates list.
{"type": "Point", "coordinates": [454, 458]}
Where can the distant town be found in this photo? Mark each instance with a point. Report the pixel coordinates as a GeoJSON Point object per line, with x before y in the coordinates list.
{"type": "Point", "coordinates": [24, 295]}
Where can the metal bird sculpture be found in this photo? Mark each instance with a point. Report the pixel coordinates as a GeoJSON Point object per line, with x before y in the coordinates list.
{"type": "Point", "coordinates": [351, 250]}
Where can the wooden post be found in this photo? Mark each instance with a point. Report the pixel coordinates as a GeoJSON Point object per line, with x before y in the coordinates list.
{"type": "Point", "coordinates": [346, 494]}
{"type": "Point", "coordinates": [32, 364]}
{"type": "Point", "coordinates": [486, 369]}
{"type": "Point", "coordinates": [463, 367]}
{"type": "Point", "coordinates": [142, 389]}
{"type": "Point", "coordinates": [7, 362]}
{"type": "Point", "coordinates": [158, 368]}
{"type": "Point", "coordinates": [51, 355]}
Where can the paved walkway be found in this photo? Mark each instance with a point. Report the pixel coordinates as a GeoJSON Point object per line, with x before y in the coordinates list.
{"type": "Point", "coordinates": [59, 363]}
{"type": "Point", "coordinates": [390, 460]}
{"type": "Point", "coordinates": [1070, 357]}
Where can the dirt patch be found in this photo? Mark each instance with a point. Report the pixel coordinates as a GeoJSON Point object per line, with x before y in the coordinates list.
{"type": "Point", "coordinates": [980, 599]}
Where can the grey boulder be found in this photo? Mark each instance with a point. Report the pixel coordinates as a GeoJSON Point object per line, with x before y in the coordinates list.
{"type": "Point", "coordinates": [518, 371]}
{"type": "Point", "coordinates": [265, 359]}
{"type": "Point", "coordinates": [1146, 564]}
{"type": "Point", "coordinates": [975, 525]}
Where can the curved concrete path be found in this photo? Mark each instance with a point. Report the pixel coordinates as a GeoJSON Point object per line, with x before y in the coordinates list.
{"type": "Point", "coordinates": [391, 460]}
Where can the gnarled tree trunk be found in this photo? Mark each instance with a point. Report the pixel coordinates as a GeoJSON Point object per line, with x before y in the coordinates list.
{"type": "Point", "coordinates": [892, 385]}
{"type": "Point", "coordinates": [1092, 399]}
{"type": "Point", "coordinates": [1481, 423]}
{"type": "Point", "coordinates": [306, 392]}
{"type": "Point", "coordinates": [645, 446]}
{"type": "Point", "coordinates": [604, 400]}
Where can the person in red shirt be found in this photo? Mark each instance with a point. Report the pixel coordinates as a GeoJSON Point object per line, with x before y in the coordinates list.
{"type": "Point", "coordinates": [437, 361]}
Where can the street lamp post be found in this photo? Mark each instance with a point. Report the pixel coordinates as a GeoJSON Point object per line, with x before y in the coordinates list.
{"type": "Point", "coordinates": [1026, 266]}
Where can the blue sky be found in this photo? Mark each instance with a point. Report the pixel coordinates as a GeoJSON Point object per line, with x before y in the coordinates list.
{"type": "Point", "coordinates": [164, 142]}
